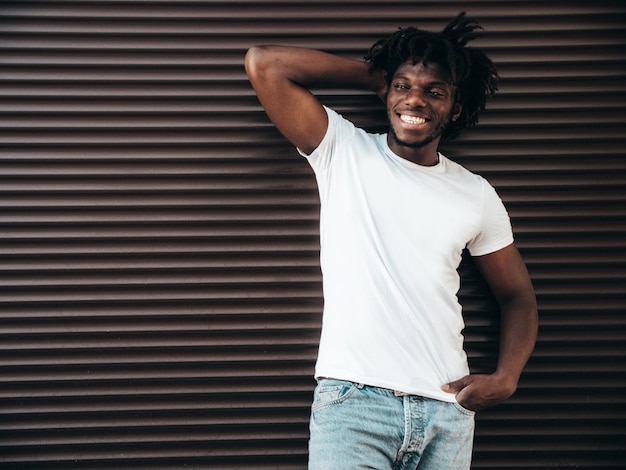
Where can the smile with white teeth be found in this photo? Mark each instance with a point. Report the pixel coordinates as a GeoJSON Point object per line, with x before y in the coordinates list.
{"type": "Point", "coordinates": [412, 119]}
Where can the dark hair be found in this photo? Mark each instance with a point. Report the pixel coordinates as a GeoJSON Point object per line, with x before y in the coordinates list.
{"type": "Point", "coordinates": [473, 73]}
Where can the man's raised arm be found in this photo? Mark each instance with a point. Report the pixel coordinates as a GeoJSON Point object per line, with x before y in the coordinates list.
{"type": "Point", "coordinates": [281, 77]}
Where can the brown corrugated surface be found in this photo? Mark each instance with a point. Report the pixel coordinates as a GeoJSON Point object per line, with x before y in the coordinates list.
{"type": "Point", "coordinates": [160, 290]}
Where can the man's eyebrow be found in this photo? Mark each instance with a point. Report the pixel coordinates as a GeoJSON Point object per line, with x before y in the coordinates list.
{"type": "Point", "coordinates": [442, 82]}
{"type": "Point", "coordinates": [437, 82]}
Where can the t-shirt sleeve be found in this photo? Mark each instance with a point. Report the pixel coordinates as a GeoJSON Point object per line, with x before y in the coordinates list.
{"type": "Point", "coordinates": [495, 230]}
{"type": "Point", "coordinates": [320, 159]}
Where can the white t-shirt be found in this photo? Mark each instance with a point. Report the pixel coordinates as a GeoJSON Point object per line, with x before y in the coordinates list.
{"type": "Point", "coordinates": [392, 235]}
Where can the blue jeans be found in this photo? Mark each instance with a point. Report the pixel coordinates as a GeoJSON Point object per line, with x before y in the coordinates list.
{"type": "Point", "coordinates": [355, 426]}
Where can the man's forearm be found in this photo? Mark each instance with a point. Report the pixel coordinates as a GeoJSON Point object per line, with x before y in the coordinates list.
{"type": "Point", "coordinates": [313, 68]}
{"type": "Point", "coordinates": [518, 334]}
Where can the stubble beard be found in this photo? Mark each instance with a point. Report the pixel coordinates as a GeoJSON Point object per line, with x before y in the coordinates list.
{"type": "Point", "coordinates": [423, 143]}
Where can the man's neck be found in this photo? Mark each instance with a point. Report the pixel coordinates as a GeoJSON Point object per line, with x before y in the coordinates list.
{"type": "Point", "coordinates": [426, 155]}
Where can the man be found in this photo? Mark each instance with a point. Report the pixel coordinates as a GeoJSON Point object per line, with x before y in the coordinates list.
{"type": "Point", "coordinates": [394, 389]}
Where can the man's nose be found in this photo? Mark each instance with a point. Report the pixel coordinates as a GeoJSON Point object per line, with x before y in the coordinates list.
{"type": "Point", "coordinates": [416, 97]}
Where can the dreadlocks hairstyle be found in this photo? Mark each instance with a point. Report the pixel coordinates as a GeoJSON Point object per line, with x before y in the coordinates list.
{"type": "Point", "coordinates": [473, 74]}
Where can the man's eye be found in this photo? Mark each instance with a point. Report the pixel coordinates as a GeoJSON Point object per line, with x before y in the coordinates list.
{"type": "Point", "coordinates": [401, 86]}
{"type": "Point", "coordinates": [436, 93]}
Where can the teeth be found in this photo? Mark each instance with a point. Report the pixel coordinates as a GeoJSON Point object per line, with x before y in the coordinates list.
{"type": "Point", "coordinates": [412, 119]}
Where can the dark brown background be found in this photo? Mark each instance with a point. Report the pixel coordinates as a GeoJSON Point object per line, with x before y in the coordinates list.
{"type": "Point", "coordinates": [160, 290]}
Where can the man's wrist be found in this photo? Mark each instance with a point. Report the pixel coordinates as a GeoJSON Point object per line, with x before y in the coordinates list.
{"type": "Point", "coordinates": [507, 381]}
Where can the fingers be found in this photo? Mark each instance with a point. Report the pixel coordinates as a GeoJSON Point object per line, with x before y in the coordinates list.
{"type": "Point", "coordinates": [477, 392]}
{"type": "Point", "coordinates": [457, 385]}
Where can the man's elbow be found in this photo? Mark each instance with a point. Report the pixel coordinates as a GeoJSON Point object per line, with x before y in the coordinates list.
{"type": "Point", "coordinates": [256, 60]}
{"type": "Point", "coordinates": [251, 59]}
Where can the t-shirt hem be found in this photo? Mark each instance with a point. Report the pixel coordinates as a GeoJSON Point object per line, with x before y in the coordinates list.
{"type": "Point", "coordinates": [492, 248]}
{"type": "Point", "coordinates": [378, 383]}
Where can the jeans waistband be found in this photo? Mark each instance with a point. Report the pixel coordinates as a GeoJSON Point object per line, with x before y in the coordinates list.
{"type": "Point", "coordinates": [397, 393]}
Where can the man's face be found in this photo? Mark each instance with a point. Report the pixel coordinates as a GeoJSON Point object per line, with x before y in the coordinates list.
{"type": "Point", "coordinates": [420, 104]}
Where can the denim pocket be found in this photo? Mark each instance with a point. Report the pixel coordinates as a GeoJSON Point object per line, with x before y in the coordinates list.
{"type": "Point", "coordinates": [330, 392]}
{"type": "Point", "coordinates": [463, 410]}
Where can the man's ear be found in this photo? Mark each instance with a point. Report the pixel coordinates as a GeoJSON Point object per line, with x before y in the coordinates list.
{"type": "Point", "coordinates": [456, 110]}
{"type": "Point", "coordinates": [383, 91]}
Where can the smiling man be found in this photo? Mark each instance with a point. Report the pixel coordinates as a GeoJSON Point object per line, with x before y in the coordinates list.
{"type": "Point", "coordinates": [420, 104]}
{"type": "Point", "coordinates": [394, 389]}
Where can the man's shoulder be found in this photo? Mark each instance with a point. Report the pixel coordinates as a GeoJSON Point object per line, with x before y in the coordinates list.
{"type": "Point", "coordinates": [344, 129]}
{"type": "Point", "coordinates": [459, 169]}
{"type": "Point", "coordinates": [464, 176]}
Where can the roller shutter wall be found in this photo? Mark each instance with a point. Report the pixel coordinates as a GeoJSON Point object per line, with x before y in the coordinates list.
{"type": "Point", "coordinates": [160, 289]}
